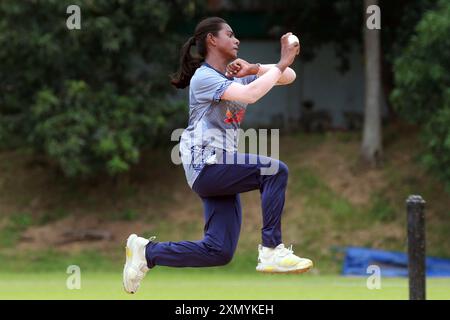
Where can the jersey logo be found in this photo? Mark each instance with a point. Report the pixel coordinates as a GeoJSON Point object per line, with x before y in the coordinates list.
{"type": "Point", "coordinates": [236, 117]}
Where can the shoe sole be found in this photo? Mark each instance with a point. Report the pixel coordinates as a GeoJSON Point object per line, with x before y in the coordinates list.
{"type": "Point", "coordinates": [127, 261]}
{"type": "Point", "coordinates": [295, 271]}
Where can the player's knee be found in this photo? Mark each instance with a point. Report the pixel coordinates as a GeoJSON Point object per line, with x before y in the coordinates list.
{"type": "Point", "coordinates": [283, 169]}
{"type": "Point", "coordinates": [219, 254]}
{"type": "Point", "coordinates": [224, 258]}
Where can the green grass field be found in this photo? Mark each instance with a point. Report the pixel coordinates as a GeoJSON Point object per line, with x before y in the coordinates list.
{"type": "Point", "coordinates": [203, 285]}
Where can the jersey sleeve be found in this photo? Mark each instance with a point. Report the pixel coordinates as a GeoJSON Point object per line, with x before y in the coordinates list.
{"type": "Point", "coordinates": [209, 87]}
{"type": "Point", "coordinates": [249, 79]}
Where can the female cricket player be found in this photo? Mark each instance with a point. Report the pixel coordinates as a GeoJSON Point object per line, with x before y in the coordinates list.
{"type": "Point", "coordinates": [220, 88]}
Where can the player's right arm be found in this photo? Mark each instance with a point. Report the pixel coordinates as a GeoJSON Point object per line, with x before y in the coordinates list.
{"type": "Point", "coordinates": [258, 88]}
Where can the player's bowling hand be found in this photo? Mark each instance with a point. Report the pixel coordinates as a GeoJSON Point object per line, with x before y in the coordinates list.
{"type": "Point", "coordinates": [240, 68]}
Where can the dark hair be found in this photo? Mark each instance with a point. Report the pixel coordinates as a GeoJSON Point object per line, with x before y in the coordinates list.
{"type": "Point", "coordinates": [189, 63]}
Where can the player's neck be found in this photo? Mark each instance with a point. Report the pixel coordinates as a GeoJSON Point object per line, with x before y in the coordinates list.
{"type": "Point", "coordinates": [217, 62]}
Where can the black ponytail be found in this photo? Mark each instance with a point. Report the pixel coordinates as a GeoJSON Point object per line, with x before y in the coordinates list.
{"type": "Point", "coordinates": [190, 63]}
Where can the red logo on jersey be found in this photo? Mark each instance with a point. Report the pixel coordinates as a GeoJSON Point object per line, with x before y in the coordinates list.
{"type": "Point", "coordinates": [236, 117]}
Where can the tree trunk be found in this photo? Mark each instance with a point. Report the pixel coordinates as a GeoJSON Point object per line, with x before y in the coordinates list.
{"type": "Point", "coordinates": [371, 149]}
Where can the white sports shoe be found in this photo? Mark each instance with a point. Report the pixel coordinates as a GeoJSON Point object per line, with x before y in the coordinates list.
{"type": "Point", "coordinates": [136, 264]}
{"type": "Point", "coordinates": [281, 260]}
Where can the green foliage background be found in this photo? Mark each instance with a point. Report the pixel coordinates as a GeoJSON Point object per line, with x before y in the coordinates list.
{"type": "Point", "coordinates": [422, 93]}
{"type": "Point", "coordinates": [90, 99]}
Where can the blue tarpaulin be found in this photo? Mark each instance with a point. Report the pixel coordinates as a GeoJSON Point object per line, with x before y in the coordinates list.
{"type": "Point", "coordinates": [391, 263]}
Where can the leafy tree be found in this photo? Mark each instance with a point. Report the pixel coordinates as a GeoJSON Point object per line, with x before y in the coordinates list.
{"type": "Point", "coordinates": [90, 99]}
{"type": "Point", "coordinates": [422, 93]}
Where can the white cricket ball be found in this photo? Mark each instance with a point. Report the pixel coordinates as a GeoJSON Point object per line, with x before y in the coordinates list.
{"type": "Point", "coordinates": [293, 38]}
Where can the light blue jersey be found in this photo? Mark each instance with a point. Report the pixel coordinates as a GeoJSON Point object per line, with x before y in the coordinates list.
{"type": "Point", "coordinates": [213, 123]}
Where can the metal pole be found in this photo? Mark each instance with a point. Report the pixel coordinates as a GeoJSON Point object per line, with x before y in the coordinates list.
{"type": "Point", "coordinates": [416, 247]}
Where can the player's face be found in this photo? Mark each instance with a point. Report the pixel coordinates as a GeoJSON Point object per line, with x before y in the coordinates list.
{"type": "Point", "coordinates": [227, 43]}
